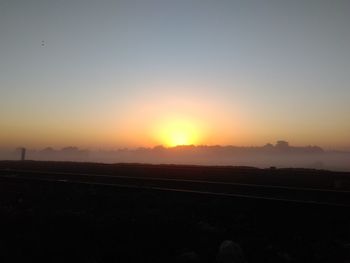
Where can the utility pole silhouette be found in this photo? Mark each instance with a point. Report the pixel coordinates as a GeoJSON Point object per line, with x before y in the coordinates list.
{"type": "Point", "coordinates": [23, 154]}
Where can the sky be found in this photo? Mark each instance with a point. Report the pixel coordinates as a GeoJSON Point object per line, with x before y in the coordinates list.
{"type": "Point", "coordinates": [114, 74]}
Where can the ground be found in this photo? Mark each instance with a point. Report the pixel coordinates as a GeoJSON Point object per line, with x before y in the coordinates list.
{"type": "Point", "coordinates": [58, 221]}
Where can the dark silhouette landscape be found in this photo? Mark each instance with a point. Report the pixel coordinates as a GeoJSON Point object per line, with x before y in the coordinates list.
{"type": "Point", "coordinates": [94, 212]}
{"type": "Point", "coordinates": [279, 155]}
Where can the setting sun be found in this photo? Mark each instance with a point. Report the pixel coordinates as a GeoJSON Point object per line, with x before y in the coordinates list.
{"type": "Point", "coordinates": [178, 132]}
{"type": "Point", "coordinates": [179, 138]}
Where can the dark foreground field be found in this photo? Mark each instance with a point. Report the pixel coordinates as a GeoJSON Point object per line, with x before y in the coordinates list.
{"type": "Point", "coordinates": [66, 222]}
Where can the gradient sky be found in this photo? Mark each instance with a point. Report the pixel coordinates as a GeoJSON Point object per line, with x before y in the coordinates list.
{"type": "Point", "coordinates": [120, 73]}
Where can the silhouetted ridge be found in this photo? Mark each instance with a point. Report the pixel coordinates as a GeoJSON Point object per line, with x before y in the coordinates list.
{"type": "Point", "coordinates": [280, 154]}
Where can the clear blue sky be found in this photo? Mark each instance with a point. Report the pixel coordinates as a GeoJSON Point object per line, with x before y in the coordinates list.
{"type": "Point", "coordinates": [98, 73]}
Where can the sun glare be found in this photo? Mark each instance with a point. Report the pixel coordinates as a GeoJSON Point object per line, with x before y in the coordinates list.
{"type": "Point", "coordinates": [177, 133]}
{"type": "Point", "coordinates": [179, 138]}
